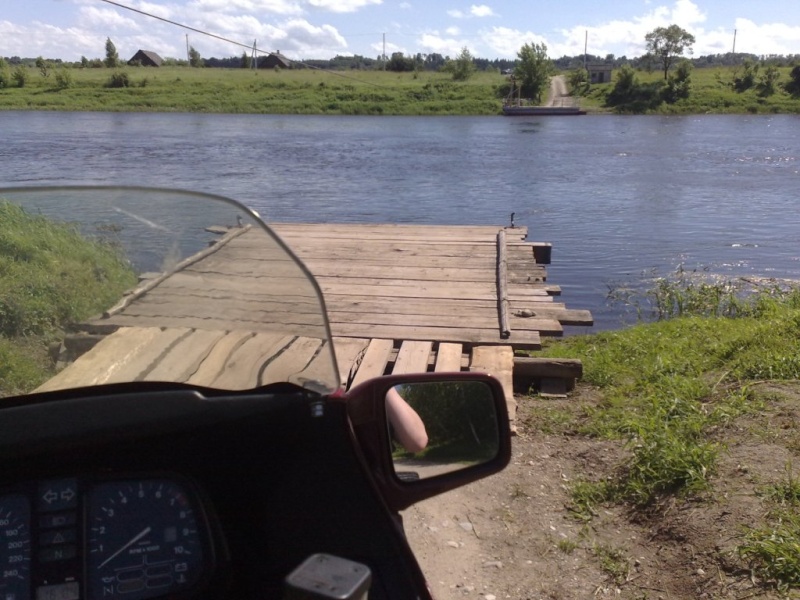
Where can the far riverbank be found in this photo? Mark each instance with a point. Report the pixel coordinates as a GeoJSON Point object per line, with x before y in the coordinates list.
{"type": "Point", "coordinates": [314, 92]}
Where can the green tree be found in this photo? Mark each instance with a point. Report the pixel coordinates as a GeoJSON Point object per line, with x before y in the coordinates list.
{"type": "Point", "coordinates": [462, 67]}
{"type": "Point", "coordinates": [112, 58]}
{"type": "Point", "coordinates": [246, 63]}
{"type": "Point", "coordinates": [63, 78]}
{"type": "Point", "coordinates": [20, 75]}
{"type": "Point", "coordinates": [578, 80]}
{"type": "Point", "coordinates": [5, 75]}
{"type": "Point", "coordinates": [533, 70]}
{"type": "Point", "coordinates": [793, 85]}
{"type": "Point", "coordinates": [679, 84]}
{"type": "Point", "coordinates": [84, 62]}
{"type": "Point", "coordinates": [195, 60]}
{"type": "Point", "coordinates": [666, 44]}
{"type": "Point", "coordinates": [767, 83]}
{"type": "Point", "coordinates": [746, 78]}
{"type": "Point", "coordinates": [43, 66]}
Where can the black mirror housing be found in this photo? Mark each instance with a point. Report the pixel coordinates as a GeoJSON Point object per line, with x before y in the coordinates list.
{"type": "Point", "coordinates": [367, 410]}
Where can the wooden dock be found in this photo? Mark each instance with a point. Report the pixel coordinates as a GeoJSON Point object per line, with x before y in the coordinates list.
{"type": "Point", "coordinates": [400, 298]}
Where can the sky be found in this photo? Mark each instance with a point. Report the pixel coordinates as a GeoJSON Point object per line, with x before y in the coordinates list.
{"type": "Point", "coordinates": [319, 29]}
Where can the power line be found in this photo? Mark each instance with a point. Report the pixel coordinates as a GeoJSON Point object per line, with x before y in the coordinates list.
{"type": "Point", "coordinates": [235, 43]}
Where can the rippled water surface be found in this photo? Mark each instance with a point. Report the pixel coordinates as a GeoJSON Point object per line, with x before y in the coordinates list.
{"type": "Point", "coordinates": [617, 196]}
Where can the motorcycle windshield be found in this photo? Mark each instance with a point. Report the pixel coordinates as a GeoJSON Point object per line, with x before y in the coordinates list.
{"type": "Point", "coordinates": [137, 284]}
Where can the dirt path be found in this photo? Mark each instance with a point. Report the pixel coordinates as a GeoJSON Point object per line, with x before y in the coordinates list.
{"type": "Point", "coordinates": [558, 94]}
{"type": "Point", "coordinates": [514, 536]}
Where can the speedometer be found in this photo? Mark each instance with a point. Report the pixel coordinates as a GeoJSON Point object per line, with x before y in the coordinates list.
{"type": "Point", "coordinates": [143, 540]}
{"type": "Point", "coordinates": [15, 547]}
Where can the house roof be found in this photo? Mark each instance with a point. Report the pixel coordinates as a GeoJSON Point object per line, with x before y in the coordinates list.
{"type": "Point", "coordinates": [155, 58]}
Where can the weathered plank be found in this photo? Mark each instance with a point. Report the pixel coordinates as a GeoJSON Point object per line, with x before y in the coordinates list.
{"type": "Point", "coordinates": [102, 363]}
{"type": "Point", "coordinates": [498, 361]}
{"type": "Point", "coordinates": [413, 357]}
{"type": "Point", "coordinates": [374, 362]}
{"type": "Point", "coordinates": [448, 358]}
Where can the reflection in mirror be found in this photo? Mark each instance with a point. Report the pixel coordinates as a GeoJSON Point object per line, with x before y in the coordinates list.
{"type": "Point", "coordinates": [441, 427]}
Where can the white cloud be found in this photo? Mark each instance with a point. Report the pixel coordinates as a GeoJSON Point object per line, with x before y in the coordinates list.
{"type": "Point", "coordinates": [505, 42]}
{"type": "Point", "coordinates": [481, 11]}
{"type": "Point", "coordinates": [456, 14]}
{"type": "Point", "coordinates": [343, 6]}
{"type": "Point", "coordinates": [108, 18]}
{"type": "Point", "coordinates": [433, 42]}
{"type": "Point", "coordinates": [453, 31]}
{"type": "Point", "coordinates": [239, 7]}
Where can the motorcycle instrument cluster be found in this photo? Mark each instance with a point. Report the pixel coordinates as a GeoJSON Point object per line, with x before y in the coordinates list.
{"type": "Point", "coordinates": [76, 538]}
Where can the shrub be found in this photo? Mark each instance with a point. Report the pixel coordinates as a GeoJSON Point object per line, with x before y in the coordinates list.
{"type": "Point", "coordinates": [119, 79]}
{"type": "Point", "coordinates": [20, 76]}
{"type": "Point", "coordinates": [63, 79]}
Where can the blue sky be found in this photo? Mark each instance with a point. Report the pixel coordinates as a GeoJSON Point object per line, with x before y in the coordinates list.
{"type": "Point", "coordinates": [304, 29]}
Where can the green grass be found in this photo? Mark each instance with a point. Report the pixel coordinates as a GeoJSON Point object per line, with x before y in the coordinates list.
{"type": "Point", "coordinates": [307, 91]}
{"type": "Point", "coordinates": [50, 276]}
{"type": "Point", "coordinates": [666, 385]}
{"type": "Point", "coordinates": [183, 89]}
{"type": "Point", "coordinates": [773, 551]}
{"type": "Point", "coordinates": [711, 93]}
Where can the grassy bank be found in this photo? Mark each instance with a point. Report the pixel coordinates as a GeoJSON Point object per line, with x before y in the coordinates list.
{"type": "Point", "coordinates": [711, 92]}
{"type": "Point", "coordinates": [679, 393]}
{"type": "Point", "coordinates": [183, 89]}
{"type": "Point", "coordinates": [50, 276]}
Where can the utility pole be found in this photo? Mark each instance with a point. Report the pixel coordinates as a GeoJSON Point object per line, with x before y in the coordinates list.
{"type": "Point", "coordinates": [384, 51]}
{"type": "Point", "coordinates": [586, 51]}
{"type": "Point", "coordinates": [254, 56]}
{"type": "Point", "coordinates": [734, 42]}
{"type": "Point", "coordinates": [188, 58]}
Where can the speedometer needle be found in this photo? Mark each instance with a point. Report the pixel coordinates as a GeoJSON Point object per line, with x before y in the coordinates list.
{"type": "Point", "coordinates": [135, 539]}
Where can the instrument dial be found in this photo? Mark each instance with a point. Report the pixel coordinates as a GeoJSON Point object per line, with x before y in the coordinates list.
{"type": "Point", "coordinates": [15, 547]}
{"type": "Point", "coordinates": [143, 540]}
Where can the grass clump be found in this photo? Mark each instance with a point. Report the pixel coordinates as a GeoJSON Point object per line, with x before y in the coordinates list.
{"type": "Point", "coordinates": [50, 276]}
{"type": "Point", "coordinates": [668, 385]}
{"type": "Point", "coordinates": [773, 551]}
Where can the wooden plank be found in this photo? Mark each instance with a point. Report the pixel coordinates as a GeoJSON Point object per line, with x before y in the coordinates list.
{"type": "Point", "coordinates": [498, 361]}
{"type": "Point", "coordinates": [412, 357]}
{"type": "Point", "coordinates": [558, 368]}
{"type": "Point", "coordinates": [523, 340]}
{"type": "Point", "coordinates": [110, 356]}
{"type": "Point", "coordinates": [185, 357]}
{"type": "Point", "coordinates": [291, 363]}
{"type": "Point", "coordinates": [374, 362]}
{"type": "Point", "coordinates": [502, 286]}
{"type": "Point", "coordinates": [243, 367]}
{"type": "Point", "coordinates": [213, 364]}
{"type": "Point", "coordinates": [448, 358]}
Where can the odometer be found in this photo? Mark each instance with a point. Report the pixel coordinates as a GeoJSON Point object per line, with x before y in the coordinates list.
{"type": "Point", "coordinates": [142, 540]}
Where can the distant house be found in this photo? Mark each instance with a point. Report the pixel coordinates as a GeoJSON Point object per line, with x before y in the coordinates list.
{"type": "Point", "coordinates": [273, 60]}
{"type": "Point", "coordinates": [600, 73]}
{"type": "Point", "coordinates": [146, 58]}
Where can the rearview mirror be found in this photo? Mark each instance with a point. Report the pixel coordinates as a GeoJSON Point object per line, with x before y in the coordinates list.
{"type": "Point", "coordinates": [424, 434]}
{"type": "Point", "coordinates": [440, 427]}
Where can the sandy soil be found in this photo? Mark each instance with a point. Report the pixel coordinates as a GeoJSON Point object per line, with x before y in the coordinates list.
{"type": "Point", "coordinates": [513, 535]}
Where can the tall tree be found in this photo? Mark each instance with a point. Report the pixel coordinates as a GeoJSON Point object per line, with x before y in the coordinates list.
{"type": "Point", "coordinates": [112, 58]}
{"type": "Point", "coordinates": [533, 70]}
{"type": "Point", "coordinates": [195, 60]}
{"type": "Point", "coordinates": [462, 67]}
{"type": "Point", "coordinates": [667, 44]}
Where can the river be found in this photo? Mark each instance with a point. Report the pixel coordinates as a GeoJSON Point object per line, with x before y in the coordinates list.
{"type": "Point", "coordinates": [620, 198]}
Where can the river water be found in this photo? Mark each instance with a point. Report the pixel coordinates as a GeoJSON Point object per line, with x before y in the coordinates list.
{"type": "Point", "coordinates": [619, 197]}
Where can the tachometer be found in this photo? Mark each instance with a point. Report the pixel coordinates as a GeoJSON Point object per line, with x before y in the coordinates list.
{"type": "Point", "coordinates": [15, 547]}
{"type": "Point", "coordinates": [143, 540]}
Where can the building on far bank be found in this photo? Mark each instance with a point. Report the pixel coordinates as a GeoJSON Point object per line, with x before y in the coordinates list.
{"type": "Point", "coordinates": [600, 73]}
{"type": "Point", "coordinates": [274, 59]}
{"type": "Point", "coordinates": [146, 58]}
